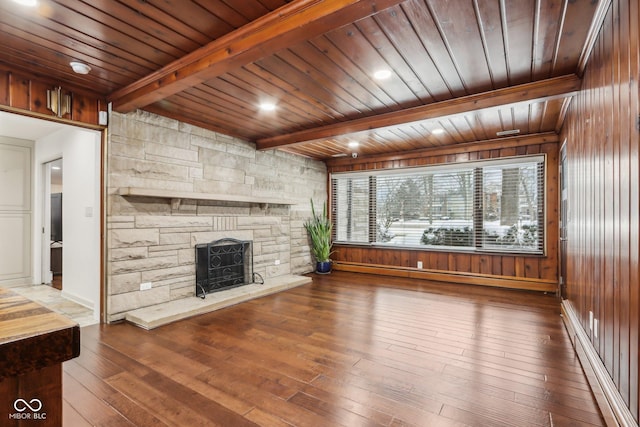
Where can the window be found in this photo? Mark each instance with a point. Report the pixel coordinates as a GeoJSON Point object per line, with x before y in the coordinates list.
{"type": "Point", "coordinates": [495, 205]}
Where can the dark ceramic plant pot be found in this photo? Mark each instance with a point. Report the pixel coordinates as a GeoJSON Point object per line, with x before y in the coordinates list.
{"type": "Point", "coordinates": [323, 267]}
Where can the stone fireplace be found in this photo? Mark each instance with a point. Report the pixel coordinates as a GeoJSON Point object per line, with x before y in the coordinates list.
{"type": "Point", "coordinates": [173, 187]}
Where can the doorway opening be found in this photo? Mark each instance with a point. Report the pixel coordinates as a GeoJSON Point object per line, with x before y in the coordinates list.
{"type": "Point", "coordinates": [81, 151]}
{"type": "Point", "coordinates": [52, 241]}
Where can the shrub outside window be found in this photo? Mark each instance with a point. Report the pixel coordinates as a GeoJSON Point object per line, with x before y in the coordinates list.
{"type": "Point", "coordinates": [495, 205]}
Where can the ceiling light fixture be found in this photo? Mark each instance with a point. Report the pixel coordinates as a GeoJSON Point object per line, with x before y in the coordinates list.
{"type": "Point", "coordinates": [382, 74]}
{"type": "Point", "coordinates": [79, 67]}
{"type": "Point", "coordinates": [353, 144]}
{"type": "Point", "coordinates": [437, 131]}
{"type": "Point", "coordinates": [267, 106]}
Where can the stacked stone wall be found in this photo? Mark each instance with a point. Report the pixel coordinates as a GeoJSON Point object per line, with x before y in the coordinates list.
{"type": "Point", "coordinates": [153, 239]}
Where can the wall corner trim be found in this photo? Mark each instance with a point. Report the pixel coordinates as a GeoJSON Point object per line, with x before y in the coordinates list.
{"type": "Point", "coordinates": [614, 411]}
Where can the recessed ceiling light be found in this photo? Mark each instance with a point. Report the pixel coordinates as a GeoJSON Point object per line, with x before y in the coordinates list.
{"type": "Point", "coordinates": [55, 168]}
{"type": "Point", "coordinates": [29, 3]}
{"type": "Point", "coordinates": [267, 106]}
{"type": "Point", "coordinates": [437, 131]}
{"type": "Point", "coordinates": [382, 74]}
{"type": "Point", "coordinates": [353, 144]}
{"type": "Point", "coordinates": [80, 68]}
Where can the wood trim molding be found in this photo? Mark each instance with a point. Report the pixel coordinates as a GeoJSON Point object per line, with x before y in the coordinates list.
{"type": "Point", "coordinates": [51, 118]}
{"type": "Point", "coordinates": [529, 284]}
{"type": "Point", "coordinates": [594, 33]}
{"type": "Point", "coordinates": [614, 411]}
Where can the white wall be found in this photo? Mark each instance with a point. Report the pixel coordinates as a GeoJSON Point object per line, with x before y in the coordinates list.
{"type": "Point", "coordinates": [80, 151]}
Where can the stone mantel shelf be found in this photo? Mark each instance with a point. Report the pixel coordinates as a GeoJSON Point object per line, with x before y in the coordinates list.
{"type": "Point", "coordinates": [177, 196]}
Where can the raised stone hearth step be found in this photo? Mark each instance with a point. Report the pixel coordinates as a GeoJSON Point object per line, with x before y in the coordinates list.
{"type": "Point", "coordinates": [162, 314]}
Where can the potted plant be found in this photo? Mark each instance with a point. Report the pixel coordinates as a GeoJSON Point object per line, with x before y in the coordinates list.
{"type": "Point", "coordinates": [319, 228]}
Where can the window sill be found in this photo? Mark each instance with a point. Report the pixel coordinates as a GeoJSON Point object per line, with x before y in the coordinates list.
{"type": "Point", "coordinates": [447, 249]}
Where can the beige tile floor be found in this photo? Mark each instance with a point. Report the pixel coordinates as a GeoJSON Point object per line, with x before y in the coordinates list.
{"type": "Point", "coordinates": [53, 300]}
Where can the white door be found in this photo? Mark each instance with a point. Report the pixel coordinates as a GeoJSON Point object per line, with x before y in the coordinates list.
{"type": "Point", "coordinates": [15, 211]}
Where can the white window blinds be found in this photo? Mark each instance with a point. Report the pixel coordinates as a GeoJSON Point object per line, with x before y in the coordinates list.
{"type": "Point", "coordinates": [512, 207]}
{"type": "Point", "coordinates": [351, 220]}
{"type": "Point", "coordinates": [491, 206]}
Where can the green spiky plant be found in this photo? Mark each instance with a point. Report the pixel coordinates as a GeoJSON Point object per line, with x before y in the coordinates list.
{"type": "Point", "coordinates": [319, 228]}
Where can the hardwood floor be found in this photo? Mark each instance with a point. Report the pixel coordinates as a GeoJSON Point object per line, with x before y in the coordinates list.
{"type": "Point", "coordinates": [56, 283]}
{"type": "Point", "coordinates": [347, 350]}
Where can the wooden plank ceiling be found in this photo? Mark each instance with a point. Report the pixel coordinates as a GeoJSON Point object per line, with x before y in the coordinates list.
{"type": "Point", "coordinates": [461, 70]}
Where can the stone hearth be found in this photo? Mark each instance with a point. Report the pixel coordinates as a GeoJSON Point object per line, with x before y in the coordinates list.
{"type": "Point", "coordinates": [172, 311]}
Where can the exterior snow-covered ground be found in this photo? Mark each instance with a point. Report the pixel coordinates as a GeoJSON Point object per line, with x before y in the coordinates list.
{"type": "Point", "coordinates": [409, 233]}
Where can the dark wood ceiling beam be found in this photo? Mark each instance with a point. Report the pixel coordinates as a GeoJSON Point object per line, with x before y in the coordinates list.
{"type": "Point", "coordinates": [300, 20]}
{"type": "Point", "coordinates": [553, 88]}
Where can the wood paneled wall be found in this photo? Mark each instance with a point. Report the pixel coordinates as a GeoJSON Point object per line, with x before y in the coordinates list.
{"type": "Point", "coordinates": [601, 131]}
{"type": "Point", "coordinates": [529, 272]}
{"type": "Point", "coordinates": [29, 94]}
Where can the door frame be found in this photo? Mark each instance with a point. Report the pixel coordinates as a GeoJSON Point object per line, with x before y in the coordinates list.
{"type": "Point", "coordinates": [563, 221]}
{"type": "Point", "coordinates": [102, 130]}
{"type": "Point", "coordinates": [45, 260]}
